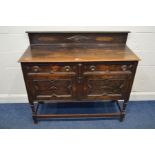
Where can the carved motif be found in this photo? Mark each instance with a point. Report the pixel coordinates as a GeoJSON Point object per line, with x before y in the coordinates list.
{"type": "Point", "coordinates": [105, 86]}
{"type": "Point", "coordinates": [78, 38]}
{"type": "Point", "coordinates": [54, 88]}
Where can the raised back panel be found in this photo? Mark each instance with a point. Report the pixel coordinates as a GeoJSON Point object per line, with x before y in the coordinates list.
{"type": "Point", "coordinates": [47, 38]}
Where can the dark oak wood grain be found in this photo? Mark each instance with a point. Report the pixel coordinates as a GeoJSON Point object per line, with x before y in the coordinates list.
{"type": "Point", "coordinates": [77, 37]}
{"type": "Point", "coordinates": [78, 53]}
{"type": "Point", "coordinates": [78, 66]}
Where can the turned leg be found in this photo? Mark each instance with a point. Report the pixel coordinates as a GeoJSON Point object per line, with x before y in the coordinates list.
{"type": "Point", "coordinates": [33, 113]}
{"type": "Point", "coordinates": [123, 110]}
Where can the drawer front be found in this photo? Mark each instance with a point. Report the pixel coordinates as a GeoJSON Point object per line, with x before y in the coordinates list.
{"type": "Point", "coordinates": [50, 68]}
{"type": "Point", "coordinates": [52, 87]}
{"type": "Point", "coordinates": [112, 67]}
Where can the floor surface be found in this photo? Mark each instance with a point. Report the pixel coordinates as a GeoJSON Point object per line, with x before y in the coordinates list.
{"type": "Point", "coordinates": [139, 115]}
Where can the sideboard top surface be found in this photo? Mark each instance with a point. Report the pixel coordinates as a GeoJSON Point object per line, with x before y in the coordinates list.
{"type": "Point", "coordinates": [64, 53]}
{"type": "Point", "coordinates": [77, 47]}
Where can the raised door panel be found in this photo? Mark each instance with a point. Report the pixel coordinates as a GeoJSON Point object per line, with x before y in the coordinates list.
{"type": "Point", "coordinates": [52, 87]}
{"type": "Point", "coordinates": [106, 86]}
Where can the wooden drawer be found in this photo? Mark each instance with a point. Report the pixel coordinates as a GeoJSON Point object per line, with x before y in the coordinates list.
{"type": "Point", "coordinates": [112, 67]}
{"type": "Point", "coordinates": [50, 68]}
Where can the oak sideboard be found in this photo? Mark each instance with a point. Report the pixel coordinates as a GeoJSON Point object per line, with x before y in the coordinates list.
{"type": "Point", "coordinates": [78, 67]}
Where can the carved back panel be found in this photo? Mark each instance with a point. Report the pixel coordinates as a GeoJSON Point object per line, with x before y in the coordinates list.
{"type": "Point", "coordinates": [79, 38]}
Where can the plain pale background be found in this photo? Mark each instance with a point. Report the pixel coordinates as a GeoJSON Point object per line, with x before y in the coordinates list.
{"type": "Point", "coordinates": [14, 41]}
{"type": "Point", "coordinates": [73, 13]}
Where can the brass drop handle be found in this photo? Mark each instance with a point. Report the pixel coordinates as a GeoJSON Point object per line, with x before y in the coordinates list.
{"type": "Point", "coordinates": [35, 68]}
{"type": "Point", "coordinates": [67, 68]}
{"type": "Point", "coordinates": [92, 68]}
{"type": "Point", "coordinates": [124, 67]}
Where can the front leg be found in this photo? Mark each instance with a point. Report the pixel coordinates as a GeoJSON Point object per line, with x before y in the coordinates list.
{"type": "Point", "coordinates": [33, 113]}
{"type": "Point", "coordinates": [125, 102]}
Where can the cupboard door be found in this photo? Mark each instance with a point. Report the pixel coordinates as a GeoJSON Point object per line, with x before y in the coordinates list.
{"type": "Point", "coordinates": [106, 86]}
{"type": "Point", "coordinates": [52, 87]}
